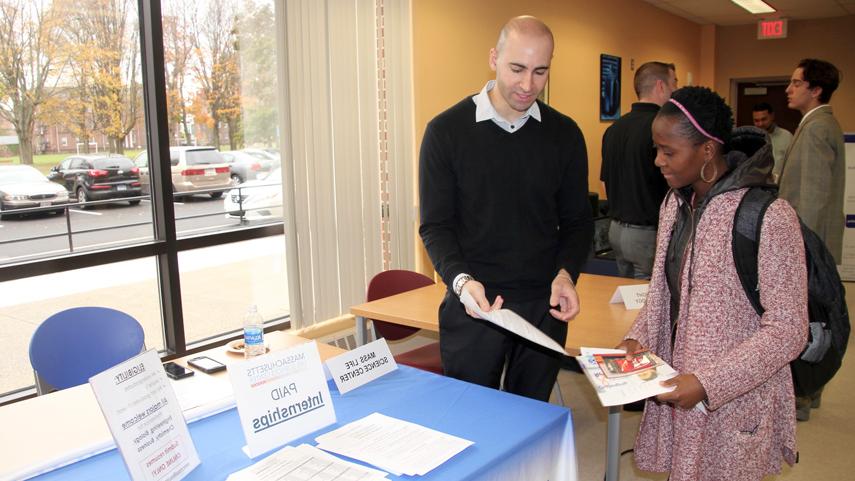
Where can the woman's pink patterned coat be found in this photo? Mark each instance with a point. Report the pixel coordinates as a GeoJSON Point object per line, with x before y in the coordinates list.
{"type": "Point", "coordinates": [740, 358]}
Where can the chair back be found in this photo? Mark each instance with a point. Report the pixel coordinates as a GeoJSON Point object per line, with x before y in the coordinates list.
{"type": "Point", "coordinates": [73, 345]}
{"type": "Point", "coordinates": [389, 283]}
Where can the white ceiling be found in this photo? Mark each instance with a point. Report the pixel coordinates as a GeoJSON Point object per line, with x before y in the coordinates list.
{"type": "Point", "coordinates": [725, 12]}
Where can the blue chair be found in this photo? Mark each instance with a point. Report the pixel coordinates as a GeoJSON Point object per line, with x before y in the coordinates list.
{"type": "Point", "coordinates": [73, 345]}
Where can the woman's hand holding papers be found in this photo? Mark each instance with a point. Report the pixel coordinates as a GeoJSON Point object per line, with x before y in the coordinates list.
{"type": "Point", "coordinates": [688, 391]}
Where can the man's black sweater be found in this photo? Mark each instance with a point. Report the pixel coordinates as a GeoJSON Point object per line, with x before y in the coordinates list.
{"type": "Point", "coordinates": [510, 209]}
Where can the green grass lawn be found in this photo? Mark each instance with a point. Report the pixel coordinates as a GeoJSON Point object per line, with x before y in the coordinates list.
{"type": "Point", "coordinates": [45, 161]}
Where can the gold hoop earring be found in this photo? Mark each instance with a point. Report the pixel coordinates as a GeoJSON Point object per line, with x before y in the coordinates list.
{"type": "Point", "coordinates": [714, 173]}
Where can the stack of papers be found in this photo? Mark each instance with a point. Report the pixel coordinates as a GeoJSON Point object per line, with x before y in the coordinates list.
{"type": "Point", "coordinates": [396, 446]}
{"type": "Point", "coordinates": [626, 389]}
{"type": "Point", "coordinates": [304, 463]}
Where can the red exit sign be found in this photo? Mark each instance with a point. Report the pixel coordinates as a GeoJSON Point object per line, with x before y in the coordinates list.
{"type": "Point", "coordinates": [768, 29]}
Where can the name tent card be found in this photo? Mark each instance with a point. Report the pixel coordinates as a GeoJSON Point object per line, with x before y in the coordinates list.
{"type": "Point", "coordinates": [361, 365]}
{"type": "Point", "coordinates": [145, 419]}
{"type": "Point", "coordinates": [281, 396]}
{"type": "Point", "coordinates": [633, 297]}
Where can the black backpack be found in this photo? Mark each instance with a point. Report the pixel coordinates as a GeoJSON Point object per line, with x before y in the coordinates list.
{"type": "Point", "coordinates": [829, 316]}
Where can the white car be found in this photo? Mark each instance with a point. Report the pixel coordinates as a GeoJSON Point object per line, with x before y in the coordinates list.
{"type": "Point", "coordinates": [23, 186]}
{"type": "Point", "coordinates": [256, 200]}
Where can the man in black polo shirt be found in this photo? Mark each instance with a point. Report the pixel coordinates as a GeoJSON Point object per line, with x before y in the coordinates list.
{"type": "Point", "coordinates": [503, 182]}
{"type": "Point", "coordinates": [634, 186]}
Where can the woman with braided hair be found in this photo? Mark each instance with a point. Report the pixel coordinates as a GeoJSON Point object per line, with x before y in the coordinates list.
{"type": "Point", "coordinates": [730, 415]}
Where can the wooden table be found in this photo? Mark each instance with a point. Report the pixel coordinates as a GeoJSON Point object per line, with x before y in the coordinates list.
{"type": "Point", "coordinates": [58, 427]}
{"type": "Point", "coordinates": [599, 324]}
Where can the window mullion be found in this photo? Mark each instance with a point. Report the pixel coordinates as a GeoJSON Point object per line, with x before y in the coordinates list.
{"type": "Point", "coordinates": [157, 131]}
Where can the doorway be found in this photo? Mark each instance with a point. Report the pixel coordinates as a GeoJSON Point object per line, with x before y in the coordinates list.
{"type": "Point", "coordinates": [772, 90]}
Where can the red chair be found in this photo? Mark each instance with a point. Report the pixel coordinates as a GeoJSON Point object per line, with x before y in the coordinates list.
{"type": "Point", "coordinates": [389, 283]}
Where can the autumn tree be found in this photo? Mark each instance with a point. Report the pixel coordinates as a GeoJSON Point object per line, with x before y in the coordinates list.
{"type": "Point", "coordinates": [178, 46]}
{"type": "Point", "coordinates": [217, 69]}
{"type": "Point", "coordinates": [258, 75]}
{"type": "Point", "coordinates": [106, 41]}
{"type": "Point", "coordinates": [29, 67]}
{"type": "Point", "coordinates": [71, 107]}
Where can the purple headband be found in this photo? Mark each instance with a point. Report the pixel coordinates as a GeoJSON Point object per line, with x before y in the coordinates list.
{"type": "Point", "coordinates": [695, 122]}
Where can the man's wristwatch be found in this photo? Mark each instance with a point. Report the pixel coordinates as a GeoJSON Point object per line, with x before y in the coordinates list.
{"type": "Point", "coordinates": [459, 281]}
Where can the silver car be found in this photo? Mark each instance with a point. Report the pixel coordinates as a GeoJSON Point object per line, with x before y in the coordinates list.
{"type": "Point", "coordinates": [193, 168]}
{"type": "Point", "coordinates": [266, 154]}
{"type": "Point", "coordinates": [23, 186]}
{"type": "Point", "coordinates": [246, 166]}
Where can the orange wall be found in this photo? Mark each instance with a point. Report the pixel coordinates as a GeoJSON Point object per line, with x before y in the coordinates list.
{"type": "Point", "coordinates": [452, 39]}
{"type": "Point", "coordinates": [741, 55]}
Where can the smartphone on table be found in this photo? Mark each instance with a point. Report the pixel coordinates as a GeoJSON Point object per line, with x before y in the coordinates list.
{"type": "Point", "coordinates": [206, 364]}
{"type": "Point", "coordinates": [176, 371]}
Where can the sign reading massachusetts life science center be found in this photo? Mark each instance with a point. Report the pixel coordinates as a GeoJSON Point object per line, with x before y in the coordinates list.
{"type": "Point", "coordinates": [361, 365]}
{"type": "Point", "coordinates": [281, 396]}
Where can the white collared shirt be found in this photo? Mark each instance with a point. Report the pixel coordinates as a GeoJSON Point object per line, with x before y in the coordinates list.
{"type": "Point", "coordinates": [810, 112]}
{"type": "Point", "coordinates": [484, 110]}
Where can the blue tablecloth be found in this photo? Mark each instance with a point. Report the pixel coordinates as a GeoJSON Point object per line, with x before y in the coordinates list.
{"type": "Point", "coordinates": [515, 438]}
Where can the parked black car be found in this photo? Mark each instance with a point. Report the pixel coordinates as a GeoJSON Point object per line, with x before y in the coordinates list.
{"type": "Point", "coordinates": [97, 177]}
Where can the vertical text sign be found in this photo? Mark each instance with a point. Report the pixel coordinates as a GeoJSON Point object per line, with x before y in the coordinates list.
{"type": "Point", "coordinates": [145, 418]}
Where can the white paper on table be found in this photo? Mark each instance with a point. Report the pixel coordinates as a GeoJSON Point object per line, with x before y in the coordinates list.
{"type": "Point", "coordinates": [305, 463]}
{"type": "Point", "coordinates": [396, 446]}
{"type": "Point", "coordinates": [511, 321]}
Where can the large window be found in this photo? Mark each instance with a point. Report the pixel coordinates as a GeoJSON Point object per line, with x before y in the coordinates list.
{"type": "Point", "coordinates": [200, 156]}
{"type": "Point", "coordinates": [167, 202]}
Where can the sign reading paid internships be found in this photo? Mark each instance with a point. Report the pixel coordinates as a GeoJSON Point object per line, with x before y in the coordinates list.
{"type": "Point", "coordinates": [361, 365]}
{"type": "Point", "coordinates": [145, 419]}
{"type": "Point", "coordinates": [281, 396]}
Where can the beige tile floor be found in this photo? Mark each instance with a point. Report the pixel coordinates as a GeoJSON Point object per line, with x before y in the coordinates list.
{"type": "Point", "coordinates": [826, 443]}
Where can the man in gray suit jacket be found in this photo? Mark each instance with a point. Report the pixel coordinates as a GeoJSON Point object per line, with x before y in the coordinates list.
{"type": "Point", "coordinates": [814, 169]}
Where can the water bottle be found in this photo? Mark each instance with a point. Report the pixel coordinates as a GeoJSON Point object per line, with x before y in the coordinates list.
{"type": "Point", "coordinates": [253, 333]}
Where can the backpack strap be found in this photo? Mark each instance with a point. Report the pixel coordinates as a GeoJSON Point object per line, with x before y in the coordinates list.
{"type": "Point", "coordinates": [747, 223]}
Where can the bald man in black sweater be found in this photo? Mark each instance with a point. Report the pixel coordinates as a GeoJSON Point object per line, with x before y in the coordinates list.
{"type": "Point", "coordinates": [503, 182]}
